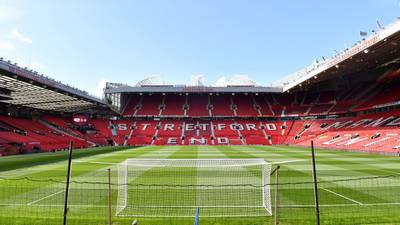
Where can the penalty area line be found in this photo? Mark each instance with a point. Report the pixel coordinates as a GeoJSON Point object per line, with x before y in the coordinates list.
{"type": "Point", "coordinates": [48, 196]}
{"type": "Point", "coordinates": [347, 198]}
{"type": "Point", "coordinates": [107, 163]}
{"type": "Point", "coordinates": [96, 162]}
{"type": "Point", "coordinates": [289, 161]}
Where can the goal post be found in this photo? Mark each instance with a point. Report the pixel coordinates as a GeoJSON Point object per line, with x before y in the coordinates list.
{"type": "Point", "coordinates": [177, 187]}
{"type": "Point", "coordinates": [123, 183]}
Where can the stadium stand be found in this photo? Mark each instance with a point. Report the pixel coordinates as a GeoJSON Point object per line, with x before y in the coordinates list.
{"type": "Point", "coordinates": [44, 137]}
{"type": "Point", "coordinates": [339, 103]}
{"type": "Point", "coordinates": [150, 105]}
{"type": "Point", "coordinates": [221, 105]}
{"type": "Point", "coordinates": [173, 105]}
{"type": "Point", "coordinates": [197, 105]}
{"type": "Point", "coordinates": [264, 105]}
{"type": "Point", "coordinates": [372, 132]}
{"type": "Point", "coordinates": [130, 108]}
{"type": "Point", "coordinates": [245, 105]}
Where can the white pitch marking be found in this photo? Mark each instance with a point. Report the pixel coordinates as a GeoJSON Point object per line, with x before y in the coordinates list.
{"type": "Point", "coordinates": [95, 162]}
{"type": "Point", "coordinates": [48, 196]}
{"type": "Point", "coordinates": [335, 193]}
{"type": "Point", "coordinates": [281, 206]}
{"type": "Point", "coordinates": [289, 161]}
{"type": "Point", "coordinates": [339, 205]}
{"type": "Point", "coordinates": [389, 171]}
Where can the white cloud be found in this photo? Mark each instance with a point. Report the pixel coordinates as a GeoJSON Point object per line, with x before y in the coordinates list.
{"type": "Point", "coordinates": [98, 92]}
{"type": "Point", "coordinates": [197, 80]}
{"type": "Point", "coordinates": [8, 13]}
{"type": "Point", "coordinates": [221, 82]}
{"type": "Point", "coordinates": [17, 35]}
{"type": "Point", "coordinates": [6, 45]}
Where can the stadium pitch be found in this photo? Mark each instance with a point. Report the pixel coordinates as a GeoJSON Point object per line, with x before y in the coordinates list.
{"type": "Point", "coordinates": [354, 188]}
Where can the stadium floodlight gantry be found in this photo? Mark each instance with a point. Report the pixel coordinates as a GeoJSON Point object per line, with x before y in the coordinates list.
{"type": "Point", "coordinates": [177, 187]}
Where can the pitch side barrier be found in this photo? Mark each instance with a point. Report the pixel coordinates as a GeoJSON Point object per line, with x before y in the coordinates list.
{"type": "Point", "coordinates": [358, 200]}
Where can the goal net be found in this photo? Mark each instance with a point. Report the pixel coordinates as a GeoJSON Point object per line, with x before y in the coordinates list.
{"type": "Point", "coordinates": [177, 187]}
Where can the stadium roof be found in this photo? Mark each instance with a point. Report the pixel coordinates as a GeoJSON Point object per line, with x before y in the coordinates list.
{"type": "Point", "coordinates": [198, 80]}
{"type": "Point", "coordinates": [156, 84]}
{"type": "Point", "coordinates": [112, 88]}
{"type": "Point", "coordinates": [379, 49]}
{"type": "Point", "coordinates": [26, 88]}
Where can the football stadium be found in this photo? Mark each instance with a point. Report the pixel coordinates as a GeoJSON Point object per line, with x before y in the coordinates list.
{"type": "Point", "coordinates": [319, 146]}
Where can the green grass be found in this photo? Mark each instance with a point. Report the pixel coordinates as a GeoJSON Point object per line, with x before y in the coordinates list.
{"type": "Point", "coordinates": [30, 160]}
{"type": "Point", "coordinates": [354, 188]}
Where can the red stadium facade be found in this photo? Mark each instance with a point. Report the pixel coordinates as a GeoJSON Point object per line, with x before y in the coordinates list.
{"type": "Point", "coordinates": [350, 102]}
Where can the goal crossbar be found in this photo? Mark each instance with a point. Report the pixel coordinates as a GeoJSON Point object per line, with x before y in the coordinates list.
{"type": "Point", "coordinates": [196, 162]}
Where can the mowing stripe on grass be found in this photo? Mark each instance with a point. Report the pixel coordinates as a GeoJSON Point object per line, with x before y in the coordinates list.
{"type": "Point", "coordinates": [379, 198]}
{"type": "Point", "coordinates": [209, 152]}
{"type": "Point", "coordinates": [321, 164]}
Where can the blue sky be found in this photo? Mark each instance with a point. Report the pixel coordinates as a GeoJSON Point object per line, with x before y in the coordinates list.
{"type": "Point", "coordinates": [87, 42]}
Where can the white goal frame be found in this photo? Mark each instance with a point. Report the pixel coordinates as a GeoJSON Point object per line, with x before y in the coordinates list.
{"type": "Point", "coordinates": [258, 184]}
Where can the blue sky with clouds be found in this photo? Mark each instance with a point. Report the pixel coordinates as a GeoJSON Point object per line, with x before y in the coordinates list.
{"type": "Point", "coordinates": [87, 42]}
